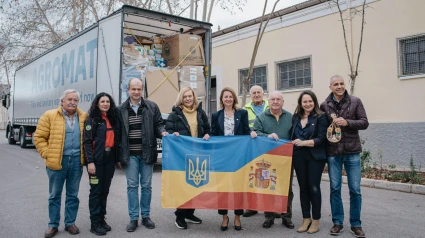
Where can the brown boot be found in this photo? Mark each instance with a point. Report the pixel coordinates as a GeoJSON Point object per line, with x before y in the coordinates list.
{"type": "Point", "coordinates": [51, 232]}
{"type": "Point", "coordinates": [306, 224]}
{"type": "Point", "coordinates": [314, 227]}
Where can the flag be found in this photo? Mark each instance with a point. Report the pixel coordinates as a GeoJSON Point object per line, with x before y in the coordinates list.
{"type": "Point", "coordinates": [226, 172]}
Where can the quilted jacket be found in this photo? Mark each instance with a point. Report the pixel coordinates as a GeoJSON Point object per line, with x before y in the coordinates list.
{"type": "Point", "coordinates": [49, 137]}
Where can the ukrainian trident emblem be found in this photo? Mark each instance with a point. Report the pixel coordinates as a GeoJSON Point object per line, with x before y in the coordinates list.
{"type": "Point", "coordinates": [197, 170]}
{"type": "Point", "coordinates": [262, 177]}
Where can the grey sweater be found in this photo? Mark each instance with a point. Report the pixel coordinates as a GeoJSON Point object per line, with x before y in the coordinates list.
{"type": "Point", "coordinates": [266, 124]}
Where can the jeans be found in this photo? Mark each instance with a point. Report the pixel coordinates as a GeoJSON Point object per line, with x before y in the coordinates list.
{"type": "Point", "coordinates": [71, 172]}
{"type": "Point", "coordinates": [352, 167]}
{"type": "Point", "coordinates": [137, 171]}
{"type": "Point", "coordinates": [309, 174]}
{"type": "Point", "coordinates": [288, 214]}
{"type": "Point", "coordinates": [99, 192]}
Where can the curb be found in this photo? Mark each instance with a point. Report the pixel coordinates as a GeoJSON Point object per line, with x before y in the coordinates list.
{"type": "Point", "coordinates": [382, 184]}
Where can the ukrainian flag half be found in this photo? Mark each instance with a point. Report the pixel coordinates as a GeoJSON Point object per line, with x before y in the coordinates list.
{"type": "Point", "coordinates": [226, 172]}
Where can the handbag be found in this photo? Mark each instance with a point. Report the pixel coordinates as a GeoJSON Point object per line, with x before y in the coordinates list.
{"type": "Point", "coordinates": [334, 133]}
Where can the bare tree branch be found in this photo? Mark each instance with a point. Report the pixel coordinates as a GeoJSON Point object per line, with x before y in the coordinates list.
{"type": "Point", "coordinates": [57, 37]}
{"type": "Point", "coordinates": [210, 11]}
{"type": "Point", "coordinates": [96, 17]}
{"type": "Point", "coordinates": [169, 7]}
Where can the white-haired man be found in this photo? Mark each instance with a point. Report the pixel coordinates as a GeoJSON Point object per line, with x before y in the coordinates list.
{"type": "Point", "coordinates": [59, 141]}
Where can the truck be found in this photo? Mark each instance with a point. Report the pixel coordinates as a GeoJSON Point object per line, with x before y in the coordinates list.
{"type": "Point", "coordinates": [91, 62]}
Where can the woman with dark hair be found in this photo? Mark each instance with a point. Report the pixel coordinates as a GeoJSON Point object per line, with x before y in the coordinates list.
{"type": "Point", "coordinates": [230, 121]}
{"type": "Point", "coordinates": [309, 126]}
{"type": "Point", "coordinates": [187, 119]}
{"type": "Point", "coordinates": [101, 143]}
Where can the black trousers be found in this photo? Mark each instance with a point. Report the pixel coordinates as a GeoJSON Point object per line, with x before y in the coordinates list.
{"type": "Point", "coordinates": [99, 192]}
{"type": "Point", "coordinates": [237, 212]}
{"type": "Point", "coordinates": [309, 174]}
{"type": "Point", "coordinates": [288, 214]}
{"type": "Point", "coordinates": [184, 212]}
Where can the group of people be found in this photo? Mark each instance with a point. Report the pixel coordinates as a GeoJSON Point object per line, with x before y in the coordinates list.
{"type": "Point", "coordinates": [125, 137]}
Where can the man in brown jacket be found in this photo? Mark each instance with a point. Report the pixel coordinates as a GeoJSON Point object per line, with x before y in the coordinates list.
{"type": "Point", "coordinates": [350, 116]}
{"type": "Point", "coordinates": [58, 139]}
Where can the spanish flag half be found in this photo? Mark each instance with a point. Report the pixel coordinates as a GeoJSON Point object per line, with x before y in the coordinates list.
{"type": "Point", "coordinates": [226, 172]}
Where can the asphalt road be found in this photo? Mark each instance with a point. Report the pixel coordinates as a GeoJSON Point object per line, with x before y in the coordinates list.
{"type": "Point", "coordinates": [24, 193]}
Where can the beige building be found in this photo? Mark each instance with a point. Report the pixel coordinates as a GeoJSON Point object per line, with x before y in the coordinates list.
{"type": "Point", "coordinates": [303, 46]}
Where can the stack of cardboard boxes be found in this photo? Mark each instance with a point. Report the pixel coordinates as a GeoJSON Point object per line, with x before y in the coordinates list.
{"type": "Point", "coordinates": [166, 65]}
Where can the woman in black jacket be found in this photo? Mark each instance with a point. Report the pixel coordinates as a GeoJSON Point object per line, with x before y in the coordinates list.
{"type": "Point", "coordinates": [101, 143]}
{"type": "Point", "coordinates": [230, 121]}
{"type": "Point", "coordinates": [187, 119]}
{"type": "Point", "coordinates": [309, 127]}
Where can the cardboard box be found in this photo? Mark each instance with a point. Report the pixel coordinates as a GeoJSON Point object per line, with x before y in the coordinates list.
{"type": "Point", "coordinates": [191, 73]}
{"type": "Point", "coordinates": [176, 47]}
{"type": "Point", "coordinates": [165, 96]}
{"type": "Point", "coordinates": [198, 87]}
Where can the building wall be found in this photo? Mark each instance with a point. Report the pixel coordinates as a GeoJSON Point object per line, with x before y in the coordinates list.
{"type": "Point", "coordinates": [317, 32]}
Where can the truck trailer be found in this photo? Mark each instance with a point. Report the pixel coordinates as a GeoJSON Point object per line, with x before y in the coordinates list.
{"type": "Point", "coordinates": [94, 61]}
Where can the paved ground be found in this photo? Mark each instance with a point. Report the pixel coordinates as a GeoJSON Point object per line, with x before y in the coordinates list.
{"type": "Point", "coordinates": [24, 193]}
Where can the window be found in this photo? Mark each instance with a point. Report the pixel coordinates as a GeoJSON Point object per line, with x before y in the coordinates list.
{"type": "Point", "coordinates": [294, 74]}
{"type": "Point", "coordinates": [411, 55]}
{"type": "Point", "coordinates": [258, 77]}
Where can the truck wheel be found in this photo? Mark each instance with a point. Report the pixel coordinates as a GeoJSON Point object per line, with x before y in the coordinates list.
{"type": "Point", "coordinates": [22, 140]}
{"type": "Point", "coordinates": [10, 139]}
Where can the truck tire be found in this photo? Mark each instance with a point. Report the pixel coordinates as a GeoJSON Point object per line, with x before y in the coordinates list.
{"type": "Point", "coordinates": [10, 138]}
{"type": "Point", "coordinates": [22, 140]}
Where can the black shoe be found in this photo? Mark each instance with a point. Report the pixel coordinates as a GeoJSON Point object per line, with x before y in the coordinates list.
{"type": "Point", "coordinates": [132, 225]}
{"type": "Point", "coordinates": [193, 219]}
{"type": "Point", "coordinates": [181, 223]}
{"type": "Point", "coordinates": [148, 223]}
{"type": "Point", "coordinates": [249, 213]}
{"type": "Point", "coordinates": [105, 225]}
{"type": "Point", "coordinates": [288, 223]}
{"type": "Point", "coordinates": [224, 228]}
{"type": "Point", "coordinates": [268, 223]}
{"type": "Point", "coordinates": [238, 228]}
{"type": "Point", "coordinates": [97, 229]}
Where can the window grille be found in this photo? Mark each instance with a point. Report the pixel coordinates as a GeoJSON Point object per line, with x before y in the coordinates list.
{"type": "Point", "coordinates": [294, 74]}
{"type": "Point", "coordinates": [411, 55]}
{"type": "Point", "coordinates": [258, 77]}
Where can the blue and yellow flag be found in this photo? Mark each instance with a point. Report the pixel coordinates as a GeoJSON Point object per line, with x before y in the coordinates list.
{"type": "Point", "coordinates": [226, 172]}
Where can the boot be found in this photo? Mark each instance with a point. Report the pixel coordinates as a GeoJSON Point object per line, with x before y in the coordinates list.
{"type": "Point", "coordinates": [314, 227]}
{"type": "Point", "coordinates": [306, 224]}
{"type": "Point", "coordinates": [97, 229]}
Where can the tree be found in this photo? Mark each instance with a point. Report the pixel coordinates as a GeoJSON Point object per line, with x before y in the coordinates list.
{"type": "Point", "coordinates": [31, 27]}
{"type": "Point", "coordinates": [261, 29]}
{"type": "Point", "coordinates": [352, 12]}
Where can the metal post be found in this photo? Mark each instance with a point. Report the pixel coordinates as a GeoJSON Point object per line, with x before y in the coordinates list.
{"type": "Point", "coordinates": [191, 8]}
{"type": "Point", "coordinates": [208, 51]}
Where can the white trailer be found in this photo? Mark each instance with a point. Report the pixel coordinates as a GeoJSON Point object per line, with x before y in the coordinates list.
{"type": "Point", "coordinates": [90, 62]}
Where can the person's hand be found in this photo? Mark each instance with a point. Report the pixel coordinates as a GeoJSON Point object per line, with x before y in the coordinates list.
{"type": "Point", "coordinates": [176, 133]}
{"type": "Point", "coordinates": [119, 165]}
{"type": "Point", "coordinates": [298, 142]}
{"type": "Point", "coordinates": [274, 136]}
{"type": "Point", "coordinates": [206, 137]}
{"type": "Point", "coordinates": [164, 133]}
{"type": "Point", "coordinates": [253, 134]}
{"type": "Point", "coordinates": [340, 121]}
{"type": "Point", "coordinates": [91, 169]}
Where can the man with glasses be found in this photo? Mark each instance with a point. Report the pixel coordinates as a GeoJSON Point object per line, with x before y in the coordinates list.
{"type": "Point", "coordinates": [276, 123]}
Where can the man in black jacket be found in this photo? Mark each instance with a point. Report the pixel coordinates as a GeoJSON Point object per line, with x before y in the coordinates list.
{"type": "Point", "coordinates": [347, 112]}
{"type": "Point", "coordinates": [141, 123]}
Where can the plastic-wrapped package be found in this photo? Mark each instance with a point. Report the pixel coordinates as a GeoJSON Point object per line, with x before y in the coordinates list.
{"type": "Point", "coordinates": [132, 56]}
{"type": "Point", "coordinates": [129, 72]}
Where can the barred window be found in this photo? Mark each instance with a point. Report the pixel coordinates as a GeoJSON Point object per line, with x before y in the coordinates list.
{"type": "Point", "coordinates": [294, 74]}
{"type": "Point", "coordinates": [411, 55]}
{"type": "Point", "coordinates": [258, 77]}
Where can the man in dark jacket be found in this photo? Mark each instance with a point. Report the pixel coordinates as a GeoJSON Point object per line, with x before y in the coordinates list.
{"type": "Point", "coordinates": [141, 123]}
{"type": "Point", "coordinates": [350, 115]}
